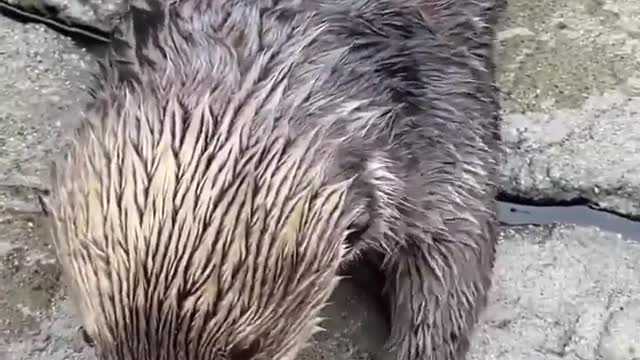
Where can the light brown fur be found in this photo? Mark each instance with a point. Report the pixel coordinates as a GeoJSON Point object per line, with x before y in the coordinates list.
{"type": "Point", "coordinates": [140, 233]}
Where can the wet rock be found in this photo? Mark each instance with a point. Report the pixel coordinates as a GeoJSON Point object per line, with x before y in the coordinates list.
{"type": "Point", "coordinates": [91, 14]}
{"type": "Point", "coordinates": [29, 279]}
{"type": "Point", "coordinates": [567, 71]}
{"type": "Point", "coordinates": [41, 87]}
{"type": "Point", "coordinates": [554, 290]}
{"type": "Point", "coordinates": [633, 86]}
{"type": "Point", "coordinates": [40, 93]}
{"type": "Point", "coordinates": [591, 153]}
{"type": "Point", "coordinates": [62, 342]}
{"type": "Point", "coordinates": [620, 340]}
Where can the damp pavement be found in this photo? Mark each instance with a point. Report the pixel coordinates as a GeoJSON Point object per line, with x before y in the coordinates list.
{"type": "Point", "coordinates": [570, 74]}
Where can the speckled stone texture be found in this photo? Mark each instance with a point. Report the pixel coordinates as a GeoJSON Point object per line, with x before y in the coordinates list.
{"type": "Point", "coordinates": [569, 74]}
{"type": "Point", "coordinates": [91, 14]}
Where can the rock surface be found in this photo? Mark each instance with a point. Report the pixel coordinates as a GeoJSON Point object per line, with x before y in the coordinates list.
{"type": "Point", "coordinates": [41, 91]}
{"type": "Point", "coordinates": [40, 81]}
{"type": "Point", "coordinates": [561, 293]}
{"type": "Point", "coordinates": [569, 71]}
{"type": "Point", "coordinates": [590, 153]}
{"type": "Point", "coordinates": [90, 14]}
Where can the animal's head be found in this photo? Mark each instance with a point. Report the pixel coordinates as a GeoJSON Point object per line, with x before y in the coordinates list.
{"type": "Point", "coordinates": [181, 242]}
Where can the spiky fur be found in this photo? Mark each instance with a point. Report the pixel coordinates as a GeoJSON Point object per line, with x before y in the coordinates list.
{"type": "Point", "coordinates": [232, 145]}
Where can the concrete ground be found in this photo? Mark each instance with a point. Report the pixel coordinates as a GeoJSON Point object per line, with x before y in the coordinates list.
{"type": "Point", "coordinates": [570, 74]}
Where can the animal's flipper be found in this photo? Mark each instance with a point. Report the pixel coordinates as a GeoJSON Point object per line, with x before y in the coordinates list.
{"type": "Point", "coordinates": [437, 289]}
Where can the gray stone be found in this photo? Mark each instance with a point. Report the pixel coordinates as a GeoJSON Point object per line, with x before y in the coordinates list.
{"type": "Point", "coordinates": [40, 94]}
{"type": "Point", "coordinates": [42, 81]}
{"type": "Point", "coordinates": [592, 153]}
{"type": "Point", "coordinates": [92, 14]}
{"type": "Point", "coordinates": [568, 73]}
{"type": "Point", "coordinates": [621, 338]}
{"type": "Point", "coordinates": [554, 291]}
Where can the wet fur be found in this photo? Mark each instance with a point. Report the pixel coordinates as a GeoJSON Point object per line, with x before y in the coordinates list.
{"type": "Point", "coordinates": [231, 149]}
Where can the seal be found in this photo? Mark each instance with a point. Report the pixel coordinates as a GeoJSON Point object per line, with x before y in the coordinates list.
{"type": "Point", "coordinates": [235, 154]}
